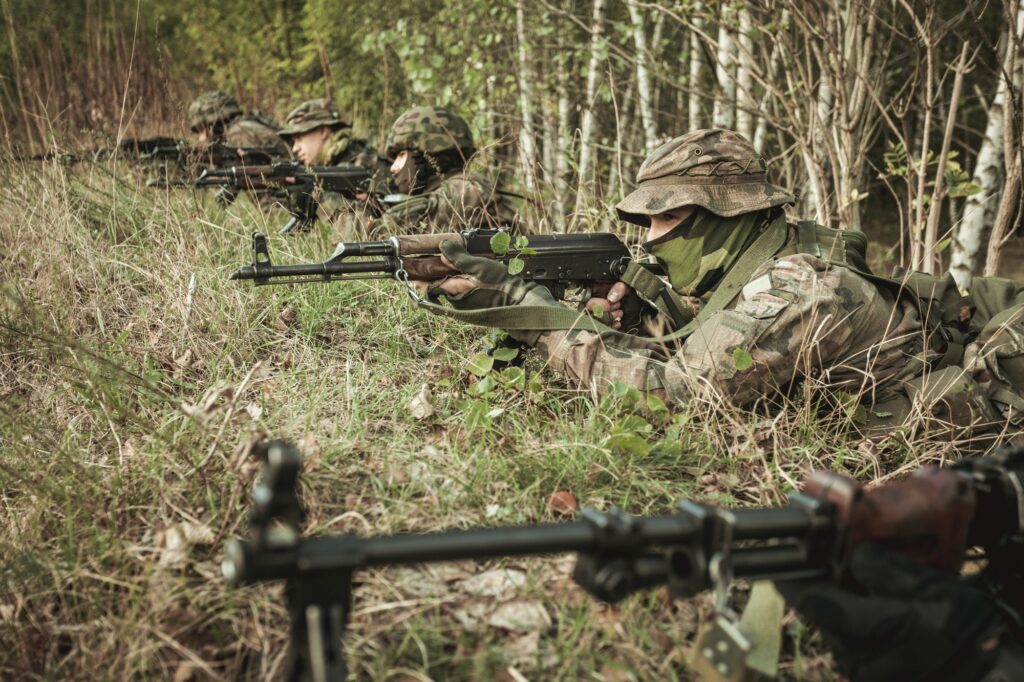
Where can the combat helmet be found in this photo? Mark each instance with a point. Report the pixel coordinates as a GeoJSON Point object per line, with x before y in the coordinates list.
{"type": "Point", "coordinates": [311, 115]}
{"type": "Point", "coordinates": [433, 131]}
{"type": "Point", "coordinates": [211, 108]}
{"type": "Point", "coordinates": [716, 169]}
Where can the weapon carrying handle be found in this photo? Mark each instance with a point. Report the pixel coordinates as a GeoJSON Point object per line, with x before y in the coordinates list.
{"type": "Point", "coordinates": [925, 517]}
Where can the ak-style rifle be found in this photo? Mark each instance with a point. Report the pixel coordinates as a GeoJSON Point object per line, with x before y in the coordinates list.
{"type": "Point", "coordinates": [556, 261]}
{"type": "Point", "coordinates": [932, 517]}
{"type": "Point", "coordinates": [300, 182]}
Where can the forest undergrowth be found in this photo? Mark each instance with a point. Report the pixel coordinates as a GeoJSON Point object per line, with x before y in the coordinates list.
{"type": "Point", "coordinates": [135, 380]}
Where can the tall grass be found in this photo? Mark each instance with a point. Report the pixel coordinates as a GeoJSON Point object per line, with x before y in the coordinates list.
{"type": "Point", "coordinates": [134, 378]}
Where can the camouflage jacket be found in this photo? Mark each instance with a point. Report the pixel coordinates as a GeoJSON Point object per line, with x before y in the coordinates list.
{"type": "Point", "coordinates": [249, 130]}
{"type": "Point", "coordinates": [803, 320]}
{"type": "Point", "coordinates": [451, 203]}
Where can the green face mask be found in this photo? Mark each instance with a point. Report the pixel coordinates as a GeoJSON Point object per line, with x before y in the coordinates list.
{"type": "Point", "coordinates": [700, 250]}
{"type": "Point", "coordinates": [335, 145]}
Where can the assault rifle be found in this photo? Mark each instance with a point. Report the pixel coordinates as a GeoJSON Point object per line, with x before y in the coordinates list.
{"type": "Point", "coordinates": [132, 147]}
{"type": "Point", "coordinates": [931, 517]}
{"type": "Point", "coordinates": [301, 183]}
{"type": "Point", "coordinates": [556, 261]}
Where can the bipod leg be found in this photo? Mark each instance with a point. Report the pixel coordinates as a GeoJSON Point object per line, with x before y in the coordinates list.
{"type": "Point", "coordinates": [318, 606]}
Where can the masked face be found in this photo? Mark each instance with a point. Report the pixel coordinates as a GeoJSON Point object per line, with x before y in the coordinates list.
{"type": "Point", "coordinates": [697, 252]}
{"type": "Point", "coordinates": [409, 171]}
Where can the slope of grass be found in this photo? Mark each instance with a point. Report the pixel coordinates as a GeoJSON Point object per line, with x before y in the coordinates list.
{"type": "Point", "coordinates": [134, 379]}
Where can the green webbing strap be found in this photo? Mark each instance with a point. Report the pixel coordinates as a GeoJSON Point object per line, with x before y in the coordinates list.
{"type": "Point", "coordinates": [656, 291]}
{"type": "Point", "coordinates": [558, 317]}
{"type": "Point", "coordinates": [807, 238]}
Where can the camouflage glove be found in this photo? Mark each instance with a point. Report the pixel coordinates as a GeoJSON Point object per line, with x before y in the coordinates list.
{"type": "Point", "coordinates": [912, 623]}
{"type": "Point", "coordinates": [494, 287]}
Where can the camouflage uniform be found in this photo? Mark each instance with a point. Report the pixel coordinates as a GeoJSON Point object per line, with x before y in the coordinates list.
{"type": "Point", "coordinates": [340, 149]}
{"type": "Point", "coordinates": [443, 197]}
{"type": "Point", "coordinates": [806, 310]}
{"type": "Point", "coordinates": [233, 127]}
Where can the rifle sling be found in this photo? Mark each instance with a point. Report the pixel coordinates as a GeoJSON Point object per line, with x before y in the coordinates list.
{"type": "Point", "coordinates": [558, 317]}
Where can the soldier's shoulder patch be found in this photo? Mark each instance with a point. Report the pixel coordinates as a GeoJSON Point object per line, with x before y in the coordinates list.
{"type": "Point", "coordinates": [756, 286]}
{"type": "Point", "coordinates": [764, 307]}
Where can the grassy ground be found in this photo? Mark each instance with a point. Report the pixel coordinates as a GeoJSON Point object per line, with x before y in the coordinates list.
{"type": "Point", "coordinates": [134, 379]}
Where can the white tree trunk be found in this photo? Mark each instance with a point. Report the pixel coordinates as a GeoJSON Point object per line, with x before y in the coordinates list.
{"type": "Point", "coordinates": [564, 147]}
{"type": "Point", "coordinates": [527, 152]}
{"type": "Point", "coordinates": [643, 78]}
{"type": "Point", "coordinates": [694, 119]}
{"type": "Point", "coordinates": [980, 209]}
{"type": "Point", "coordinates": [1013, 172]}
{"type": "Point", "coordinates": [745, 104]}
{"type": "Point", "coordinates": [586, 167]}
{"type": "Point", "coordinates": [724, 113]}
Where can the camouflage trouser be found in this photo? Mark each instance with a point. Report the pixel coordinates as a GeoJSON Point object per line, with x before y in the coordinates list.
{"type": "Point", "coordinates": [984, 392]}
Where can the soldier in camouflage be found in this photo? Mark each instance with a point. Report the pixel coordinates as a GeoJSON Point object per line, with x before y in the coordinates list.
{"type": "Point", "coordinates": [429, 147]}
{"type": "Point", "coordinates": [216, 117]}
{"type": "Point", "coordinates": [779, 305]}
{"type": "Point", "coordinates": [319, 136]}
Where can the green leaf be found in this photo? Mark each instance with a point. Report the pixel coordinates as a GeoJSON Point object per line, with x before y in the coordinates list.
{"type": "Point", "coordinates": [629, 444]}
{"type": "Point", "coordinates": [527, 251]}
{"type": "Point", "coordinates": [500, 243]}
{"type": "Point", "coordinates": [505, 354]}
{"type": "Point", "coordinates": [521, 241]}
{"type": "Point", "coordinates": [943, 245]}
{"type": "Point", "coordinates": [480, 364]}
{"type": "Point", "coordinates": [514, 377]}
{"type": "Point", "coordinates": [741, 360]}
{"type": "Point", "coordinates": [656, 406]}
{"type": "Point", "coordinates": [483, 387]}
{"type": "Point", "coordinates": [516, 265]}
{"type": "Point", "coordinates": [598, 310]}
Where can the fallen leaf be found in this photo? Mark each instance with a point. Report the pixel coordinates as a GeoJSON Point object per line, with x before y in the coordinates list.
{"type": "Point", "coordinates": [420, 406]}
{"type": "Point", "coordinates": [255, 411]}
{"type": "Point", "coordinates": [175, 543]}
{"type": "Point", "coordinates": [520, 616]}
{"type": "Point", "coordinates": [498, 582]}
{"type": "Point", "coordinates": [526, 653]}
{"type": "Point", "coordinates": [416, 583]}
{"type": "Point", "coordinates": [562, 503]}
{"type": "Point", "coordinates": [471, 615]}
{"type": "Point", "coordinates": [287, 317]}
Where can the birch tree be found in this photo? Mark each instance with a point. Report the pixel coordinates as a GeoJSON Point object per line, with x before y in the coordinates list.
{"type": "Point", "coordinates": [586, 164]}
{"type": "Point", "coordinates": [1010, 199]}
{"type": "Point", "coordinates": [696, 68]}
{"type": "Point", "coordinates": [724, 113]}
{"type": "Point", "coordinates": [980, 208]}
{"type": "Point", "coordinates": [643, 78]}
{"type": "Point", "coordinates": [527, 152]}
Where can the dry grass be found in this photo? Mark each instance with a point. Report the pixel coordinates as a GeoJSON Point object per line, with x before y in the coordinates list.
{"type": "Point", "coordinates": [128, 406]}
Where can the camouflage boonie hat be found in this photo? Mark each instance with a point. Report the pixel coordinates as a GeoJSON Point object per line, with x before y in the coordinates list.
{"type": "Point", "coordinates": [211, 108]}
{"type": "Point", "coordinates": [431, 130]}
{"type": "Point", "coordinates": [311, 115]}
{"type": "Point", "coordinates": [716, 169]}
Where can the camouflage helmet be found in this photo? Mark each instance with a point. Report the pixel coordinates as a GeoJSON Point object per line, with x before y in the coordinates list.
{"type": "Point", "coordinates": [311, 115]}
{"type": "Point", "coordinates": [211, 108]}
{"type": "Point", "coordinates": [430, 130]}
{"type": "Point", "coordinates": [716, 169]}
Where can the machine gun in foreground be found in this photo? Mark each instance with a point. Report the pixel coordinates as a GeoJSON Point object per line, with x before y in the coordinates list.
{"type": "Point", "coordinates": [931, 517]}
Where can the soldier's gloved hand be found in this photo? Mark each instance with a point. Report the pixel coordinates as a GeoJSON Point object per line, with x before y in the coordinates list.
{"type": "Point", "coordinates": [619, 305]}
{"type": "Point", "coordinates": [485, 283]}
{"type": "Point", "coordinates": [912, 623]}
